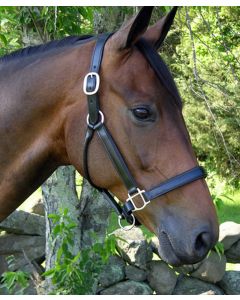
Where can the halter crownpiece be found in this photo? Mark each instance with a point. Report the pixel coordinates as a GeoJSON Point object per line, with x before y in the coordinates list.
{"type": "Point", "coordinates": [95, 122]}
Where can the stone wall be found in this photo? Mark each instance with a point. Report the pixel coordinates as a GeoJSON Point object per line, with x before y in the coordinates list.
{"type": "Point", "coordinates": [137, 269]}
{"type": "Point", "coordinates": [22, 235]}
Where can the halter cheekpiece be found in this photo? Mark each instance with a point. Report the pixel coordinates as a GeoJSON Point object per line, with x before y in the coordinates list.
{"type": "Point", "coordinates": [95, 123]}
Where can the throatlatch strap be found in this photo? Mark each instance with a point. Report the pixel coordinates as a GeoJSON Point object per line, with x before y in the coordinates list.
{"type": "Point", "coordinates": [95, 122]}
{"type": "Point", "coordinates": [117, 159]}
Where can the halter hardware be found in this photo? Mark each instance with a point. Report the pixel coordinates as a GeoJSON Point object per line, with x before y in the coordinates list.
{"type": "Point", "coordinates": [95, 122]}
{"type": "Point", "coordinates": [141, 194]}
{"type": "Point", "coordinates": [98, 124]}
{"type": "Point", "coordinates": [126, 228]}
{"type": "Point", "coordinates": [91, 83]}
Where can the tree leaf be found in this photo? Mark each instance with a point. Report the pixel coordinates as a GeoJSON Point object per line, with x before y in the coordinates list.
{"type": "Point", "coordinates": [3, 39]}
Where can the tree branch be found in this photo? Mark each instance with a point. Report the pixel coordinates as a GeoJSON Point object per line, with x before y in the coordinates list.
{"type": "Point", "coordinates": [196, 76]}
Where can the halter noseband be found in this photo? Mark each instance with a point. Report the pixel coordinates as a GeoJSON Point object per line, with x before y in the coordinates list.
{"type": "Point", "coordinates": [95, 122]}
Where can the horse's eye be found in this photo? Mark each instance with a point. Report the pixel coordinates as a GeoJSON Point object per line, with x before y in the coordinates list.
{"type": "Point", "coordinates": [141, 113]}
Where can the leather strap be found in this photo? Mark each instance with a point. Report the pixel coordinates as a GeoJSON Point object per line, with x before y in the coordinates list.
{"type": "Point", "coordinates": [117, 159]}
{"type": "Point", "coordinates": [96, 124]}
{"type": "Point", "coordinates": [168, 186]}
{"type": "Point", "coordinates": [93, 101]}
{"type": "Point", "coordinates": [107, 195]}
{"type": "Point", "coordinates": [176, 182]}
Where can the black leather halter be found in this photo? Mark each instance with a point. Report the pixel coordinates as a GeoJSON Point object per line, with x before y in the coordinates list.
{"type": "Point", "coordinates": [95, 122]}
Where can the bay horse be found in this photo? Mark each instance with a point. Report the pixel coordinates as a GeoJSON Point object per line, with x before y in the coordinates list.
{"type": "Point", "coordinates": [141, 149]}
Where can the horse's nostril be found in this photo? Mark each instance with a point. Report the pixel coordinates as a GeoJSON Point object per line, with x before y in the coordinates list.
{"type": "Point", "coordinates": [203, 242]}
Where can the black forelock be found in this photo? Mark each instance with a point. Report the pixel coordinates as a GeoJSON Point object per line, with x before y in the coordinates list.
{"type": "Point", "coordinates": [161, 70]}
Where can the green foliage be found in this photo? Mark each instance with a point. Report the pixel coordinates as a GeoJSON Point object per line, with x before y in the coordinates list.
{"type": "Point", "coordinates": [203, 53]}
{"type": "Point", "coordinates": [23, 25]}
{"type": "Point", "coordinates": [16, 282]}
{"type": "Point", "coordinates": [76, 274]}
{"type": "Point", "coordinates": [219, 248]}
{"type": "Point", "coordinates": [218, 189]}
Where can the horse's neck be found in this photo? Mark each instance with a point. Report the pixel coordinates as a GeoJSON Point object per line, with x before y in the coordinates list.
{"type": "Point", "coordinates": [32, 105]}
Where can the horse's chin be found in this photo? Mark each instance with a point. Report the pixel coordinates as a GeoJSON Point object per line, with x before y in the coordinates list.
{"type": "Point", "coordinates": [169, 255]}
{"type": "Point", "coordinates": [167, 252]}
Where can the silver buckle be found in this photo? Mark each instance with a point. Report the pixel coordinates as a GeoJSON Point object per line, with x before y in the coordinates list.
{"type": "Point", "coordinates": [139, 193]}
{"type": "Point", "coordinates": [91, 74]}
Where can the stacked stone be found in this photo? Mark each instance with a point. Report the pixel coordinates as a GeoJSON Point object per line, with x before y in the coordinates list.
{"type": "Point", "coordinates": [22, 235]}
{"type": "Point", "coordinates": [139, 270]}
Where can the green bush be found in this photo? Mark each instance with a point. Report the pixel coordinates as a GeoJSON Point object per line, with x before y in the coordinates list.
{"type": "Point", "coordinates": [15, 282]}
{"type": "Point", "coordinates": [76, 274]}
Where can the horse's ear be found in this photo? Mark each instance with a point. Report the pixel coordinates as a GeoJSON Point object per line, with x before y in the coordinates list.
{"type": "Point", "coordinates": [158, 32]}
{"type": "Point", "coordinates": [129, 33]}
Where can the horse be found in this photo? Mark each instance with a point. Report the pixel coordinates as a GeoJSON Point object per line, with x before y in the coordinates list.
{"type": "Point", "coordinates": [141, 149]}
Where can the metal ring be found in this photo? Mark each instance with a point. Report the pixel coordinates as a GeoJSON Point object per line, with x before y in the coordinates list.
{"type": "Point", "coordinates": [126, 228]}
{"type": "Point", "coordinates": [95, 126]}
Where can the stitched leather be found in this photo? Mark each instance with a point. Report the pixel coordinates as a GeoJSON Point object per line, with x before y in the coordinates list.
{"type": "Point", "coordinates": [107, 195]}
{"type": "Point", "coordinates": [96, 125]}
{"type": "Point", "coordinates": [168, 186]}
{"type": "Point", "coordinates": [117, 159]}
{"type": "Point", "coordinates": [176, 182]}
{"type": "Point", "coordinates": [93, 102]}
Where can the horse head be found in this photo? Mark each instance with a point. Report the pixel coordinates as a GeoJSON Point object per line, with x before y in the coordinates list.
{"type": "Point", "coordinates": [143, 113]}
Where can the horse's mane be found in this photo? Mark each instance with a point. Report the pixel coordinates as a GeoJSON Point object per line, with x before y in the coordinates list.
{"type": "Point", "coordinates": [161, 69]}
{"type": "Point", "coordinates": [31, 50]}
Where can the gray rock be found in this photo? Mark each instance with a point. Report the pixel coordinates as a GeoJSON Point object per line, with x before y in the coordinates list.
{"type": "Point", "coordinates": [229, 233]}
{"type": "Point", "coordinates": [3, 291]}
{"type": "Point", "coordinates": [128, 287]}
{"type": "Point", "coordinates": [233, 254]}
{"type": "Point", "coordinates": [31, 289]}
{"type": "Point", "coordinates": [113, 272]}
{"type": "Point", "coordinates": [11, 243]}
{"type": "Point", "coordinates": [3, 265]}
{"type": "Point", "coordinates": [136, 274]}
{"type": "Point", "coordinates": [161, 277]}
{"type": "Point", "coordinates": [212, 268]}
{"type": "Point", "coordinates": [37, 207]}
{"type": "Point", "coordinates": [22, 222]}
{"type": "Point", "coordinates": [193, 286]}
{"type": "Point", "coordinates": [34, 247]}
{"type": "Point", "coordinates": [188, 269]}
{"type": "Point", "coordinates": [231, 283]}
{"type": "Point", "coordinates": [133, 247]}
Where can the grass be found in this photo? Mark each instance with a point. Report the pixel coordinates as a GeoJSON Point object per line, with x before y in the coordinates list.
{"type": "Point", "coordinates": [232, 267]}
{"type": "Point", "coordinates": [229, 209]}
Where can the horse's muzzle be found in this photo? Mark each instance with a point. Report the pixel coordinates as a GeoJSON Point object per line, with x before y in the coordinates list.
{"type": "Point", "coordinates": [178, 248]}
